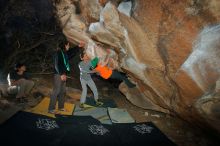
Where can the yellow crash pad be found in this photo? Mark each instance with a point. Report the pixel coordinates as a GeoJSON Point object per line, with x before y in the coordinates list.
{"type": "Point", "coordinates": [42, 108]}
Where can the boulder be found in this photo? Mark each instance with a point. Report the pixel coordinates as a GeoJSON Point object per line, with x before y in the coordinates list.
{"type": "Point", "coordinates": [170, 49]}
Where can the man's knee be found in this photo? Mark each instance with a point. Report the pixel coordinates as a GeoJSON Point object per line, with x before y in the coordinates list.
{"type": "Point", "coordinates": [31, 83]}
{"type": "Point", "coordinates": [13, 89]}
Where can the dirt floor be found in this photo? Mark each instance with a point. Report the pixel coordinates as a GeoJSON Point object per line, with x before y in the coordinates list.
{"type": "Point", "coordinates": [179, 131]}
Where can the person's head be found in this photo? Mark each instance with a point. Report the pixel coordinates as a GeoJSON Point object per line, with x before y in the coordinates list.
{"type": "Point", "coordinates": [64, 44]}
{"type": "Point", "coordinates": [84, 56]}
{"type": "Point", "coordinates": [67, 46]}
{"type": "Point", "coordinates": [82, 44]}
{"type": "Point", "coordinates": [20, 67]}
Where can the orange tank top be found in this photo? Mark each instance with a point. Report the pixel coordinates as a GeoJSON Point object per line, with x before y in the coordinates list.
{"type": "Point", "coordinates": [104, 71]}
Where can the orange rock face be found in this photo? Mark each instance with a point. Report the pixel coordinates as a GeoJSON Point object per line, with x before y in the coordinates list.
{"type": "Point", "coordinates": [187, 42]}
{"type": "Point", "coordinates": [170, 48]}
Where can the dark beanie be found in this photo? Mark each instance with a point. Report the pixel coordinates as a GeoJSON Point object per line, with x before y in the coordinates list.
{"type": "Point", "coordinates": [18, 65]}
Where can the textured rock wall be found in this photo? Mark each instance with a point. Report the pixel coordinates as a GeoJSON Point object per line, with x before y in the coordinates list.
{"type": "Point", "coordinates": [169, 48]}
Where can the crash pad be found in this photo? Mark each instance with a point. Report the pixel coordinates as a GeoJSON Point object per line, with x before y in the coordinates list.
{"type": "Point", "coordinates": [42, 108]}
{"type": "Point", "coordinates": [98, 113]}
{"type": "Point", "coordinates": [146, 133]}
{"type": "Point", "coordinates": [120, 116]}
{"type": "Point", "coordinates": [26, 128]}
{"type": "Point", "coordinates": [31, 129]}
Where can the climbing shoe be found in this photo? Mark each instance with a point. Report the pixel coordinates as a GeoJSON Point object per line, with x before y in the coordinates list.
{"type": "Point", "coordinates": [63, 110]}
{"type": "Point", "coordinates": [98, 103]}
{"type": "Point", "coordinates": [52, 112]}
{"type": "Point", "coordinates": [81, 105]}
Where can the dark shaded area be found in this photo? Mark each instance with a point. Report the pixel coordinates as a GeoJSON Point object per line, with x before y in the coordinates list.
{"type": "Point", "coordinates": [29, 33]}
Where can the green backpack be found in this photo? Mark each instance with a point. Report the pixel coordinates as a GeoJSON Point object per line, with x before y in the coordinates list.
{"type": "Point", "coordinates": [94, 62]}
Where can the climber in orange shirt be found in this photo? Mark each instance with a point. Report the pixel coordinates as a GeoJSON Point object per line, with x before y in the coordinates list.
{"type": "Point", "coordinates": [106, 72]}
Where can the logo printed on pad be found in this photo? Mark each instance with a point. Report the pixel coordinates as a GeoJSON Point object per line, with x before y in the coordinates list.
{"type": "Point", "coordinates": [143, 129]}
{"type": "Point", "coordinates": [97, 129]}
{"type": "Point", "coordinates": [46, 124]}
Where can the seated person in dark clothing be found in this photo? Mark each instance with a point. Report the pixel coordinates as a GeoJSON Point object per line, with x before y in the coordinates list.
{"type": "Point", "coordinates": [19, 82]}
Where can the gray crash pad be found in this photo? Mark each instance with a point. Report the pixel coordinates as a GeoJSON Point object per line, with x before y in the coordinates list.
{"type": "Point", "coordinates": [7, 113]}
{"type": "Point", "coordinates": [120, 116]}
{"type": "Point", "coordinates": [98, 113]}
